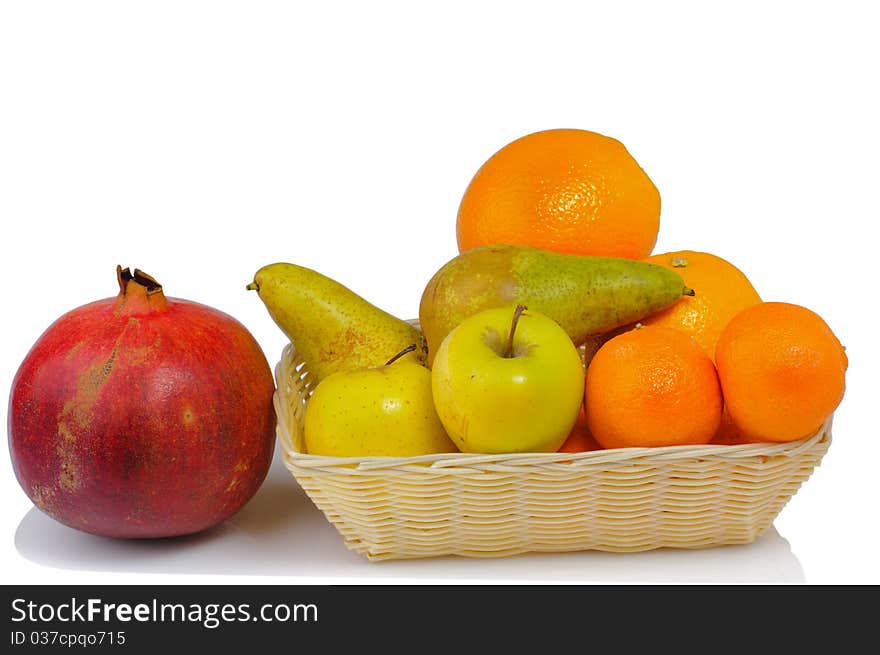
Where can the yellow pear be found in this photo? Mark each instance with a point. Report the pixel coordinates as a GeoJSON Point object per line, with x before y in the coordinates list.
{"type": "Point", "coordinates": [332, 328]}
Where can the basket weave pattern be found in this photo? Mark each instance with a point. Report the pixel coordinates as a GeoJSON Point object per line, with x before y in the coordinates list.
{"type": "Point", "coordinates": [621, 500]}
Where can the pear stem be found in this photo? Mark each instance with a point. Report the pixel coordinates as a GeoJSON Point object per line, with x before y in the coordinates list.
{"type": "Point", "coordinates": [688, 292]}
{"type": "Point", "coordinates": [403, 352]}
{"type": "Point", "coordinates": [508, 352]}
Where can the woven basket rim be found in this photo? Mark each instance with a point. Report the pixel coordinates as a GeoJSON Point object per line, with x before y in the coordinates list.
{"type": "Point", "coordinates": [616, 456]}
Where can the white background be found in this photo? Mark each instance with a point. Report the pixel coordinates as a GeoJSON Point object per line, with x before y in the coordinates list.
{"type": "Point", "coordinates": [201, 140]}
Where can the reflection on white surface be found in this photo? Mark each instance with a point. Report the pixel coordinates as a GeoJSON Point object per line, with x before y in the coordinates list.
{"type": "Point", "coordinates": [280, 533]}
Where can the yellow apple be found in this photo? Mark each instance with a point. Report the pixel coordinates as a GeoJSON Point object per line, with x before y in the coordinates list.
{"type": "Point", "coordinates": [508, 380]}
{"type": "Point", "coordinates": [385, 411]}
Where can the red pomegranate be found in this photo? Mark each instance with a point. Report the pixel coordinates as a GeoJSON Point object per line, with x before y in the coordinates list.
{"type": "Point", "coordinates": [142, 416]}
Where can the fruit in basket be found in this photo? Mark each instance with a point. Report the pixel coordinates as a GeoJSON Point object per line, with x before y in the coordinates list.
{"type": "Point", "coordinates": [332, 328]}
{"type": "Point", "coordinates": [508, 380]}
{"type": "Point", "coordinates": [585, 295]}
{"type": "Point", "coordinates": [580, 439]}
{"type": "Point", "coordinates": [652, 386]}
{"type": "Point", "coordinates": [782, 370]}
{"type": "Point", "coordinates": [142, 415]}
{"type": "Point", "coordinates": [379, 411]}
{"type": "Point", "coordinates": [728, 433]}
{"type": "Point", "coordinates": [566, 190]}
{"type": "Point", "coordinates": [724, 291]}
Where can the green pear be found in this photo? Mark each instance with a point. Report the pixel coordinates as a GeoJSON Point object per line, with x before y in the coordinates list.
{"type": "Point", "coordinates": [586, 295]}
{"type": "Point", "coordinates": [332, 328]}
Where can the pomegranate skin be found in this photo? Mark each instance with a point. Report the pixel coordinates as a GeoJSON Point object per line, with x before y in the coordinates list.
{"type": "Point", "coordinates": [142, 416]}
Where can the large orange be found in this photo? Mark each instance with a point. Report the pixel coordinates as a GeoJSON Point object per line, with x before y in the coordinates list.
{"type": "Point", "coordinates": [566, 190]}
{"type": "Point", "coordinates": [652, 386]}
{"type": "Point", "coordinates": [721, 290]}
{"type": "Point", "coordinates": [782, 371]}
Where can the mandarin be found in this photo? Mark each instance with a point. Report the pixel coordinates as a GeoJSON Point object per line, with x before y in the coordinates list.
{"type": "Point", "coordinates": [567, 190]}
{"type": "Point", "coordinates": [782, 371]}
{"type": "Point", "coordinates": [728, 433]}
{"type": "Point", "coordinates": [652, 386]}
{"type": "Point", "coordinates": [579, 440]}
{"type": "Point", "coordinates": [721, 291]}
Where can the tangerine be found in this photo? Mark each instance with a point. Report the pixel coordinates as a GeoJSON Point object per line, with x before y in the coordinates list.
{"type": "Point", "coordinates": [729, 433]}
{"type": "Point", "coordinates": [579, 440]}
{"type": "Point", "coordinates": [721, 291]}
{"type": "Point", "coordinates": [782, 371]}
{"type": "Point", "coordinates": [652, 386]}
{"type": "Point", "coordinates": [567, 190]}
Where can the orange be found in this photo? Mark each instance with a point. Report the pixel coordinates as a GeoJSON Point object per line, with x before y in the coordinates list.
{"type": "Point", "coordinates": [566, 190]}
{"type": "Point", "coordinates": [652, 386]}
{"type": "Point", "coordinates": [728, 433]}
{"type": "Point", "coordinates": [579, 440]}
{"type": "Point", "coordinates": [782, 371]}
{"type": "Point", "coordinates": [721, 290]}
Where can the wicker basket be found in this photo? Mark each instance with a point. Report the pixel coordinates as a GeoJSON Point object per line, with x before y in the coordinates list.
{"type": "Point", "coordinates": [622, 500]}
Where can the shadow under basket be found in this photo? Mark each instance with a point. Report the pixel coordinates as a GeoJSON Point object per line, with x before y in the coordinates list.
{"type": "Point", "coordinates": [472, 505]}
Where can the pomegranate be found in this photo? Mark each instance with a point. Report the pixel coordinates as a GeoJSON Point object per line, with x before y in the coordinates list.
{"type": "Point", "coordinates": [142, 415]}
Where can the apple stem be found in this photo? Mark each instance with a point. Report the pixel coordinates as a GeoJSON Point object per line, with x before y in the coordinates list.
{"type": "Point", "coordinates": [508, 352]}
{"type": "Point", "coordinates": [403, 352]}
